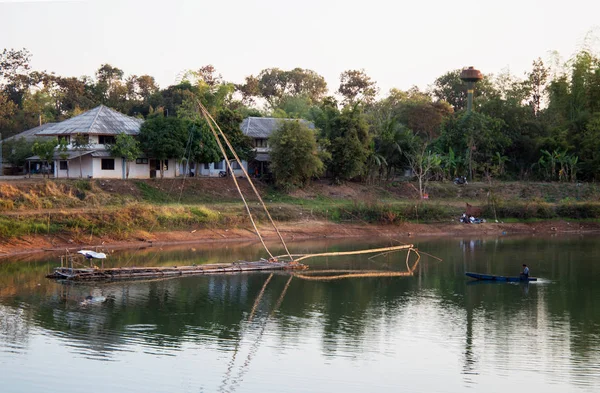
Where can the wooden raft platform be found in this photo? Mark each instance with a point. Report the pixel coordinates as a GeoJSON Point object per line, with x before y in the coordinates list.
{"type": "Point", "coordinates": [130, 273]}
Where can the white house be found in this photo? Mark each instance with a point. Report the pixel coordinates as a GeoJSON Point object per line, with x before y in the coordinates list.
{"type": "Point", "coordinates": [259, 129]}
{"type": "Point", "coordinates": [99, 127]}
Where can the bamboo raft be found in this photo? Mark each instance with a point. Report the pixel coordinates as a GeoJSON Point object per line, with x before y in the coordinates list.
{"type": "Point", "coordinates": [130, 273]}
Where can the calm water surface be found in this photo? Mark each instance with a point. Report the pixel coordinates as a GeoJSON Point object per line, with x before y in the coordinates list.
{"type": "Point", "coordinates": [433, 332]}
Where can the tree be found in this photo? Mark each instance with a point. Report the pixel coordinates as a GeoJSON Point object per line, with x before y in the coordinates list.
{"type": "Point", "coordinates": [450, 88]}
{"type": "Point", "coordinates": [537, 79]}
{"type": "Point", "coordinates": [349, 144]}
{"type": "Point", "coordinates": [204, 148]}
{"type": "Point", "coordinates": [478, 135]}
{"type": "Point", "coordinates": [357, 86]}
{"type": "Point", "coordinates": [80, 143]}
{"type": "Point", "coordinates": [45, 150]}
{"type": "Point", "coordinates": [126, 147]}
{"type": "Point", "coordinates": [16, 151]}
{"type": "Point", "coordinates": [273, 84]}
{"type": "Point", "coordinates": [294, 156]}
{"type": "Point", "coordinates": [423, 162]}
{"type": "Point", "coordinates": [63, 152]}
{"type": "Point", "coordinates": [229, 121]}
{"type": "Point", "coordinates": [163, 138]}
{"type": "Point", "coordinates": [7, 109]}
{"type": "Point", "coordinates": [15, 73]}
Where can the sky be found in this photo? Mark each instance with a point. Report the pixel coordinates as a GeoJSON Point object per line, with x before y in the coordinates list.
{"type": "Point", "coordinates": [399, 43]}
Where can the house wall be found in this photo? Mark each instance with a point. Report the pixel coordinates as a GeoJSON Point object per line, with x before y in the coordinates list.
{"type": "Point", "coordinates": [100, 173]}
{"type": "Point", "coordinates": [214, 172]}
{"type": "Point", "coordinates": [138, 171]}
{"type": "Point", "coordinates": [86, 168]}
{"type": "Point", "coordinates": [173, 170]}
{"type": "Point", "coordinates": [92, 167]}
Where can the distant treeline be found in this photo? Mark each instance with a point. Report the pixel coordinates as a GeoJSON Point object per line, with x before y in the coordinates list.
{"type": "Point", "coordinates": [544, 125]}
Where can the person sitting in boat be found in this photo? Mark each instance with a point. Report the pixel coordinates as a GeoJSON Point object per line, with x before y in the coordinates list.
{"type": "Point", "coordinates": [525, 272]}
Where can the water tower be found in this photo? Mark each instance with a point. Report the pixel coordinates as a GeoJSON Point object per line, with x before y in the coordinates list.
{"type": "Point", "coordinates": [471, 76]}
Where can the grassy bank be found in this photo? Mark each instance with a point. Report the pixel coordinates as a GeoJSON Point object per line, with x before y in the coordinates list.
{"type": "Point", "coordinates": [84, 208]}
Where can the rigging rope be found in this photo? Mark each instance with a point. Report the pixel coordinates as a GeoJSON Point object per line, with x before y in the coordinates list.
{"type": "Point", "coordinates": [211, 121]}
{"type": "Point", "coordinates": [204, 113]}
{"type": "Point", "coordinates": [338, 253]}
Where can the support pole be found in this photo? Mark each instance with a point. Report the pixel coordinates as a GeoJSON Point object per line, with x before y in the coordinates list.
{"type": "Point", "coordinates": [470, 88]}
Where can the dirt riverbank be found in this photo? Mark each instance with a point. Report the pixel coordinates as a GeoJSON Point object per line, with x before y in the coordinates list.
{"type": "Point", "coordinates": [292, 231]}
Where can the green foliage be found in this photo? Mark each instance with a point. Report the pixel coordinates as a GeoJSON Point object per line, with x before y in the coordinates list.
{"type": "Point", "coordinates": [45, 150]}
{"type": "Point", "coordinates": [273, 84]}
{"type": "Point", "coordinates": [294, 157]}
{"type": "Point", "coordinates": [16, 151]}
{"type": "Point", "coordinates": [204, 148]}
{"type": "Point", "coordinates": [230, 121]}
{"type": "Point", "coordinates": [479, 135]}
{"type": "Point", "coordinates": [515, 119]}
{"type": "Point", "coordinates": [126, 147]}
{"type": "Point", "coordinates": [164, 138]}
{"type": "Point", "coordinates": [348, 141]}
{"type": "Point", "coordinates": [357, 86]}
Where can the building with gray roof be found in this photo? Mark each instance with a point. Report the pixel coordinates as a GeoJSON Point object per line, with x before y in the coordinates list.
{"type": "Point", "coordinates": [98, 128]}
{"type": "Point", "coordinates": [31, 135]}
{"type": "Point", "coordinates": [101, 120]}
{"type": "Point", "coordinates": [259, 129]}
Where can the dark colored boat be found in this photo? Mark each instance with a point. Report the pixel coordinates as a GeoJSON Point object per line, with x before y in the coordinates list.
{"type": "Point", "coordinates": [491, 277]}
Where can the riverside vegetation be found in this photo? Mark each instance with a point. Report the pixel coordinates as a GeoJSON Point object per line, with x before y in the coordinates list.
{"type": "Point", "coordinates": [121, 210]}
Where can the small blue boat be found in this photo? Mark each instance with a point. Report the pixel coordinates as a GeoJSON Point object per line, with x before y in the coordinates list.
{"type": "Point", "coordinates": [491, 277]}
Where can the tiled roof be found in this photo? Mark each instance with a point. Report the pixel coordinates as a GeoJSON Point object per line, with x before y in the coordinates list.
{"type": "Point", "coordinates": [31, 134]}
{"type": "Point", "coordinates": [101, 120]}
{"type": "Point", "coordinates": [263, 127]}
{"type": "Point", "coordinates": [68, 155]}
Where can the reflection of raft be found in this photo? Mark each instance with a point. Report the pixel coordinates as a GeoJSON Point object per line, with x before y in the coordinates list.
{"type": "Point", "coordinates": [129, 273]}
{"type": "Point", "coordinates": [490, 277]}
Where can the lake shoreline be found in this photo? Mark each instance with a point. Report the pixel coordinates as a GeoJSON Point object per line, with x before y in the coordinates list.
{"type": "Point", "coordinates": [291, 231]}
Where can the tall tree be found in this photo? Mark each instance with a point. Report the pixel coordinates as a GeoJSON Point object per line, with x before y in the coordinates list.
{"type": "Point", "coordinates": [294, 157]}
{"type": "Point", "coordinates": [348, 143]}
{"type": "Point", "coordinates": [537, 79]}
{"type": "Point", "coordinates": [163, 138]}
{"type": "Point", "coordinates": [45, 150]}
{"type": "Point", "coordinates": [126, 147]}
{"type": "Point", "coordinates": [80, 143]}
{"type": "Point", "coordinates": [357, 86]}
{"type": "Point", "coordinates": [273, 84]}
{"type": "Point", "coordinates": [450, 88]}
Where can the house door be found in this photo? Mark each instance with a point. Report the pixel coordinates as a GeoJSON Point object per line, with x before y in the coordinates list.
{"type": "Point", "coordinates": [154, 167]}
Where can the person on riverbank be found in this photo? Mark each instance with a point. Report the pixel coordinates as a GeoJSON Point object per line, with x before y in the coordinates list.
{"type": "Point", "coordinates": [525, 272]}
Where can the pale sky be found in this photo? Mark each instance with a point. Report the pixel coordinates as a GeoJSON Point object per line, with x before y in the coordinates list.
{"type": "Point", "coordinates": [398, 43]}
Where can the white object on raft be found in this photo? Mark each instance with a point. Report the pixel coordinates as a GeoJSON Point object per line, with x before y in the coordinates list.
{"type": "Point", "coordinates": [92, 254]}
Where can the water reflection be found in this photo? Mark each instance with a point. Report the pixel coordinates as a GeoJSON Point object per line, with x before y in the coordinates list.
{"type": "Point", "coordinates": [245, 329]}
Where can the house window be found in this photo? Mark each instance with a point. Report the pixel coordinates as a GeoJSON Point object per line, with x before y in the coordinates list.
{"type": "Point", "coordinates": [108, 164]}
{"type": "Point", "coordinates": [65, 138]}
{"type": "Point", "coordinates": [63, 165]}
{"type": "Point", "coordinates": [166, 163]}
{"type": "Point", "coordinates": [218, 165]}
{"type": "Point", "coordinates": [81, 139]}
{"type": "Point", "coordinates": [235, 165]}
{"type": "Point", "coordinates": [206, 166]}
{"type": "Point", "coordinates": [141, 160]}
{"type": "Point", "coordinates": [106, 139]}
{"type": "Point", "coordinates": [260, 142]}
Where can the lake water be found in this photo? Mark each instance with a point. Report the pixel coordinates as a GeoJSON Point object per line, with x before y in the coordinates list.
{"type": "Point", "coordinates": [432, 332]}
